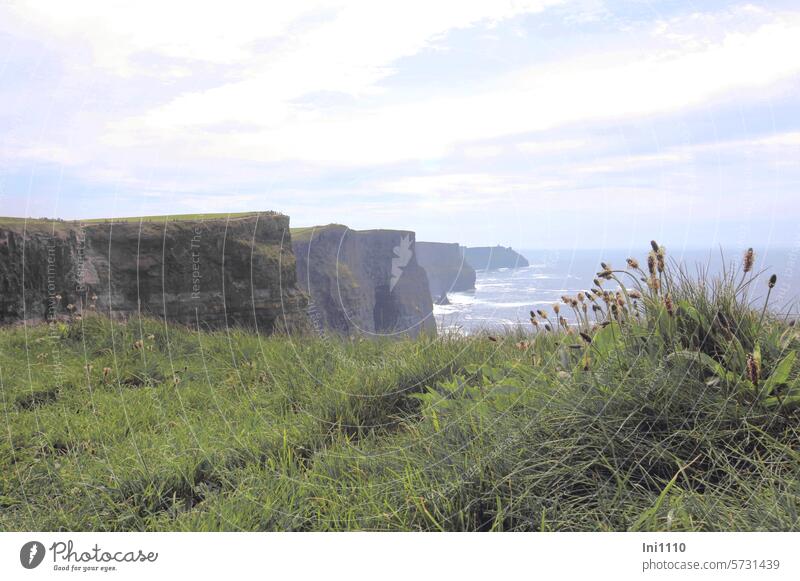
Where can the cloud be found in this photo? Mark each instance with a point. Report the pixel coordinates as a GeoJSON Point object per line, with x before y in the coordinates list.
{"type": "Point", "coordinates": [672, 179]}
{"type": "Point", "coordinates": [634, 162]}
{"type": "Point", "coordinates": [116, 31]}
{"type": "Point", "coordinates": [601, 87]}
{"type": "Point", "coordinates": [386, 112]}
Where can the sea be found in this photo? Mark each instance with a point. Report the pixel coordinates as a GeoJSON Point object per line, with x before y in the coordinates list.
{"type": "Point", "coordinates": [503, 298]}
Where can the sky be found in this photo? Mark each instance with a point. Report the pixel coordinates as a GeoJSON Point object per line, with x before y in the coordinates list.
{"type": "Point", "coordinates": [531, 123]}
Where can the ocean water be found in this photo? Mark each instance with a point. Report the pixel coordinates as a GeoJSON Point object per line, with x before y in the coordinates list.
{"type": "Point", "coordinates": [503, 299]}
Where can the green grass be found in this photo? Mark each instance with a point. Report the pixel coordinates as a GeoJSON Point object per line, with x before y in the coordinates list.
{"type": "Point", "coordinates": [304, 233]}
{"type": "Point", "coordinates": [180, 217]}
{"type": "Point", "coordinates": [657, 419]}
{"type": "Point", "coordinates": [41, 222]}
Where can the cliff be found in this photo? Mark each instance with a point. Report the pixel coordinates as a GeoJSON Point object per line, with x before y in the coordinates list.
{"type": "Point", "coordinates": [363, 281]}
{"type": "Point", "coordinates": [446, 268]}
{"type": "Point", "coordinates": [215, 271]}
{"type": "Point", "coordinates": [493, 257]}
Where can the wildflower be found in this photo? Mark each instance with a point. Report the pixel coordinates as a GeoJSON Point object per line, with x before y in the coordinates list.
{"type": "Point", "coordinates": [556, 308]}
{"type": "Point", "coordinates": [548, 327]}
{"type": "Point", "coordinates": [772, 281]}
{"type": "Point", "coordinates": [654, 245]}
{"type": "Point", "coordinates": [523, 345]}
{"type": "Point", "coordinates": [563, 322]}
{"type": "Point", "coordinates": [660, 259]}
{"type": "Point", "coordinates": [574, 303]}
{"type": "Point", "coordinates": [651, 263]}
{"type": "Point", "coordinates": [94, 298]}
{"type": "Point", "coordinates": [669, 305]}
{"type": "Point", "coordinates": [634, 294]}
{"type": "Point", "coordinates": [749, 259]}
{"type": "Point", "coordinates": [633, 263]}
{"type": "Point", "coordinates": [597, 283]}
{"type": "Point", "coordinates": [151, 337]}
{"type": "Point", "coordinates": [176, 380]}
{"type": "Point", "coordinates": [752, 369]}
{"type": "Point", "coordinates": [580, 296]}
{"type": "Point", "coordinates": [106, 372]}
{"type": "Point", "coordinates": [491, 338]}
{"type": "Point", "coordinates": [586, 337]}
{"type": "Point", "coordinates": [70, 307]}
{"type": "Point", "coordinates": [541, 313]}
{"type": "Point", "coordinates": [88, 367]}
{"type": "Point", "coordinates": [138, 345]}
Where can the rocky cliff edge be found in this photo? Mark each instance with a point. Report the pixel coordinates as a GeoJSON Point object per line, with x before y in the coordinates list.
{"type": "Point", "coordinates": [363, 281]}
{"type": "Point", "coordinates": [208, 271]}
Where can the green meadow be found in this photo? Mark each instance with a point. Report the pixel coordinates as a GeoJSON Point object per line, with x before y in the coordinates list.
{"type": "Point", "coordinates": [671, 405]}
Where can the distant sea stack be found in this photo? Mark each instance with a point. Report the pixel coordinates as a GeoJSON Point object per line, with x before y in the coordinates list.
{"type": "Point", "coordinates": [494, 257]}
{"type": "Point", "coordinates": [212, 271]}
{"type": "Point", "coordinates": [363, 282]}
{"type": "Point", "coordinates": [446, 268]}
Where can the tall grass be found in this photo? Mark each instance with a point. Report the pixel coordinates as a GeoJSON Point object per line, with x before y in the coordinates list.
{"type": "Point", "coordinates": [672, 404]}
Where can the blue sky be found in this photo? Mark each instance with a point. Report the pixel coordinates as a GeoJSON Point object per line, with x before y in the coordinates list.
{"type": "Point", "coordinates": [541, 123]}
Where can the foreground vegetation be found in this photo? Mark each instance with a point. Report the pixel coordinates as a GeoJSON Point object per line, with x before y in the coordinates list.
{"type": "Point", "coordinates": [668, 403]}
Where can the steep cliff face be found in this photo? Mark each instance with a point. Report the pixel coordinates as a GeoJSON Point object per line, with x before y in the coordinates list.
{"type": "Point", "coordinates": [494, 257]}
{"type": "Point", "coordinates": [213, 271]}
{"type": "Point", "coordinates": [446, 268]}
{"type": "Point", "coordinates": [363, 281]}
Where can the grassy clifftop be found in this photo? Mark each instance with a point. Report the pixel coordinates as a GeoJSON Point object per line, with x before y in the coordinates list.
{"type": "Point", "coordinates": [671, 406]}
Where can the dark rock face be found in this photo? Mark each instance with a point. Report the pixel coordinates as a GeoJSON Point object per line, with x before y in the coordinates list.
{"type": "Point", "coordinates": [213, 272]}
{"type": "Point", "coordinates": [363, 281]}
{"type": "Point", "coordinates": [446, 268]}
{"type": "Point", "coordinates": [494, 257]}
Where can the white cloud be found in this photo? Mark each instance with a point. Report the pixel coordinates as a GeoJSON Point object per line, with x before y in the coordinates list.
{"type": "Point", "coordinates": [789, 139]}
{"type": "Point", "coordinates": [600, 87]}
{"type": "Point", "coordinates": [552, 146]}
{"type": "Point", "coordinates": [116, 31]}
{"type": "Point", "coordinates": [432, 185]}
{"type": "Point", "coordinates": [634, 162]}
